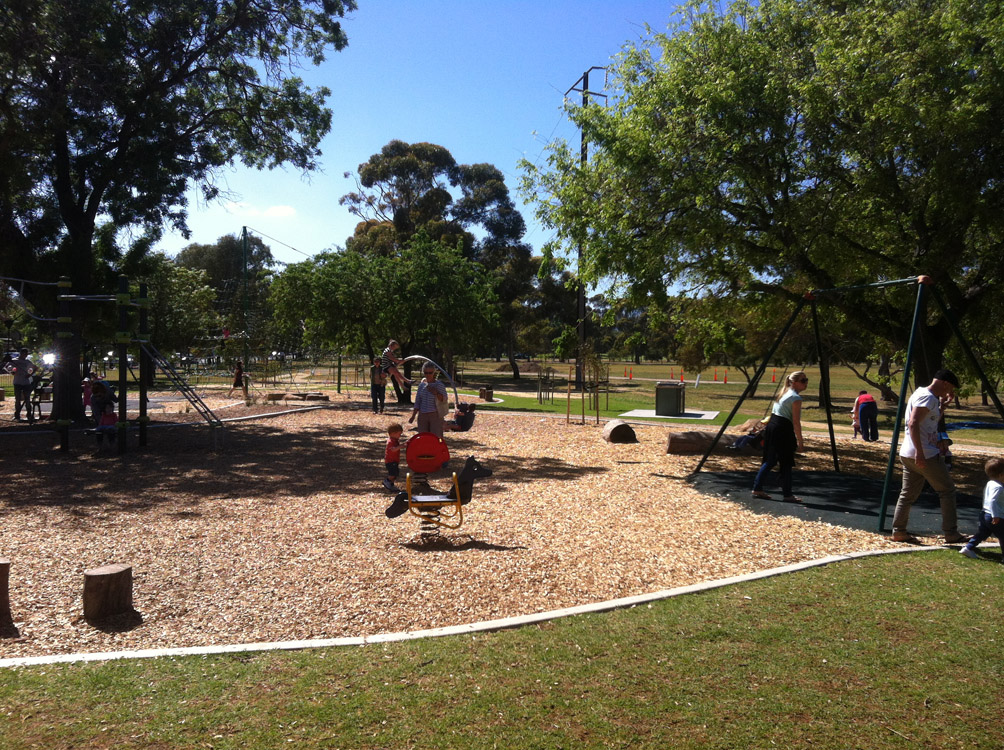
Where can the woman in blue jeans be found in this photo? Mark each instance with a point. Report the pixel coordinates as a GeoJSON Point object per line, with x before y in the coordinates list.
{"type": "Point", "coordinates": [782, 438]}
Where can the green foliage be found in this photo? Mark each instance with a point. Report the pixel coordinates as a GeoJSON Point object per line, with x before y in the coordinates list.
{"type": "Point", "coordinates": [418, 188]}
{"type": "Point", "coordinates": [792, 145]}
{"type": "Point", "coordinates": [110, 109]}
{"type": "Point", "coordinates": [429, 297]}
{"type": "Point", "coordinates": [181, 304]}
{"type": "Point", "coordinates": [240, 279]}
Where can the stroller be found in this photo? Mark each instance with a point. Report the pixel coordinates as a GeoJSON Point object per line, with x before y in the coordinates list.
{"type": "Point", "coordinates": [41, 392]}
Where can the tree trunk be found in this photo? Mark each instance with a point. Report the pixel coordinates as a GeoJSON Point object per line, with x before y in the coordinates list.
{"type": "Point", "coordinates": [107, 591]}
{"type": "Point", "coordinates": [6, 620]}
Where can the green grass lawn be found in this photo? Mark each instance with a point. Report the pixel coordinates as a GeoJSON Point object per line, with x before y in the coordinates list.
{"type": "Point", "coordinates": [638, 392]}
{"type": "Point", "coordinates": [897, 651]}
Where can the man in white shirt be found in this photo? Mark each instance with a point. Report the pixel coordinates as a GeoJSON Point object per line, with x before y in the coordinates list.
{"type": "Point", "coordinates": [923, 460]}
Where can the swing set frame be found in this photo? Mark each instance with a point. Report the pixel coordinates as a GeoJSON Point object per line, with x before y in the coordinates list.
{"type": "Point", "coordinates": [923, 283]}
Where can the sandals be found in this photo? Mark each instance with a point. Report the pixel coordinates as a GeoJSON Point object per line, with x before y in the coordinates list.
{"type": "Point", "coordinates": [762, 495]}
{"type": "Point", "coordinates": [791, 499]}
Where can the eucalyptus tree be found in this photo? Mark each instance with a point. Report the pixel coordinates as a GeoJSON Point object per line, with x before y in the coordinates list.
{"type": "Point", "coordinates": [408, 188]}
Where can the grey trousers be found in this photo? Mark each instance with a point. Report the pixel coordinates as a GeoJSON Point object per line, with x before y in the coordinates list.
{"type": "Point", "coordinates": [430, 421]}
{"type": "Point", "coordinates": [936, 474]}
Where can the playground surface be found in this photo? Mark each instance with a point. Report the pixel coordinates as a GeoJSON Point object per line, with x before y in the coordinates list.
{"type": "Point", "coordinates": [281, 535]}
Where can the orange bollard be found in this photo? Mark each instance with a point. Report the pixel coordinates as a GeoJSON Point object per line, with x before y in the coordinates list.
{"type": "Point", "coordinates": [773, 375]}
{"type": "Point", "coordinates": [631, 373]}
{"type": "Point", "coordinates": [681, 376]}
{"type": "Point", "coordinates": [672, 374]}
{"type": "Point", "coordinates": [625, 372]}
{"type": "Point", "coordinates": [726, 377]}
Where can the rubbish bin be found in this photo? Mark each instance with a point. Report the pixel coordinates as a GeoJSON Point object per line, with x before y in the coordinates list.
{"type": "Point", "coordinates": [669, 399]}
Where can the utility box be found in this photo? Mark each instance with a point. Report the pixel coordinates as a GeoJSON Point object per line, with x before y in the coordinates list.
{"type": "Point", "coordinates": [669, 399]}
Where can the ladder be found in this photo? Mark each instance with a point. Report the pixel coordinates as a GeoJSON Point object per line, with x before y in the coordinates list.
{"type": "Point", "coordinates": [186, 390]}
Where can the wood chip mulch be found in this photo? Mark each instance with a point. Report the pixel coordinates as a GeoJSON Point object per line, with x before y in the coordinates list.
{"type": "Point", "coordinates": [281, 534]}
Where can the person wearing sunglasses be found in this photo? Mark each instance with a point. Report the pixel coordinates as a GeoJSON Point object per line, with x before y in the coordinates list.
{"type": "Point", "coordinates": [783, 438]}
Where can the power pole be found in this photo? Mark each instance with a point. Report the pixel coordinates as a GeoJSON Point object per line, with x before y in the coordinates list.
{"type": "Point", "coordinates": [580, 312]}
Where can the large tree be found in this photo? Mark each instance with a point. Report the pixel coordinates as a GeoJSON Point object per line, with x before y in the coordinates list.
{"type": "Point", "coordinates": [429, 297]}
{"type": "Point", "coordinates": [238, 269]}
{"type": "Point", "coordinates": [788, 145]}
{"type": "Point", "coordinates": [110, 109]}
{"type": "Point", "coordinates": [409, 188]}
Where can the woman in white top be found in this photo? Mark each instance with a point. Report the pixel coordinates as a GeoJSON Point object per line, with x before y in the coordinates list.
{"type": "Point", "coordinates": [783, 437]}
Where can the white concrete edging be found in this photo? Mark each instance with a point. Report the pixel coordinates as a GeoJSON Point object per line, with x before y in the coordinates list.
{"type": "Point", "coordinates": [477, 627]}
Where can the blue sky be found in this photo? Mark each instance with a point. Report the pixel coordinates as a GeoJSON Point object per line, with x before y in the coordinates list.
{"type": "Point", "coordinates": [483, 79]}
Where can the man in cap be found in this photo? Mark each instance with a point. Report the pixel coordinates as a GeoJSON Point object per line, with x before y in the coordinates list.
{"type": "Point", "coordinates": [922, 459]}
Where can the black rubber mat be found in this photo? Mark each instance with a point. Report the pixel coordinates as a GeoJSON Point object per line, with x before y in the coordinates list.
{"type": "Point", "coordinates": [840, 499]}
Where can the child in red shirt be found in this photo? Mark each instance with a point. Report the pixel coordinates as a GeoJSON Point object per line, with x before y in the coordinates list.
{"type": "Point", "coordinates": [392, 456]}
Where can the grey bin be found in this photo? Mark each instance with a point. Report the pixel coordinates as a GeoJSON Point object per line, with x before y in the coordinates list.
{"type": "Point", "coordinates": [669, 399]}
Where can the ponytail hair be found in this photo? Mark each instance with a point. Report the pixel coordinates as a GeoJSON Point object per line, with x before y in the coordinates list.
{"type": "Point", "coordinates": [797, 375]}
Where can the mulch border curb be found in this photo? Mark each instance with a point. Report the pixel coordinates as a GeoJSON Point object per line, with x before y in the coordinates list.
{"type": "Point", "coordinates": [478, 627]}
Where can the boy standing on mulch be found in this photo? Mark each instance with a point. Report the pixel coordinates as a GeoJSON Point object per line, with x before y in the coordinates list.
{"type": "Point", "coordinates": [992, 517]}
{"type": "Point", "coordinates": [392, 456]}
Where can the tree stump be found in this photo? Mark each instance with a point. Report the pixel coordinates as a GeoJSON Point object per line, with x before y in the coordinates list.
{"type": "Point", "coordinates": [6, 620]}
{"type": "Point", "coordinates": [107, 591]}
{"type": "Point", "coordinates": [696, 441]}
{"type": "Point", "coordinates": [619, 431]}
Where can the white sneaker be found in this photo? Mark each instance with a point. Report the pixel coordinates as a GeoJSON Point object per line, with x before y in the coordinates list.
{"type": "Point", "coordinates": [968, 552]}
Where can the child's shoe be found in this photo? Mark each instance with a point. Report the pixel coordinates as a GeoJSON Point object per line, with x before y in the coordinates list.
{"type": "Point", "coordinates": [968, 552]}
{"type": "Point", "coordinates": [389, 485]}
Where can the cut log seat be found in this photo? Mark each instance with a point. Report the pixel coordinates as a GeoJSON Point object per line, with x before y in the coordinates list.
{"type": "Point", "coordinates": [107, 591]}
{"type": "Point", "coordinates": [697, 441]}
{"type": "Point", "coordinates": [619, 431]}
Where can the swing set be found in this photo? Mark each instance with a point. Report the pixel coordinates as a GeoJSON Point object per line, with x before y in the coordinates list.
{"type": "Point", "coordinates": [923, 284]}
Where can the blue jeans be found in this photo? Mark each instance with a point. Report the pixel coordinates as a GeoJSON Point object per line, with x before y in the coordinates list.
{"type": "Point", "coordinates": [868, 417]}
{"type": "Point", "coordinates": [986, 530]}
{"type": "Point", "coordinates": [378, 393]}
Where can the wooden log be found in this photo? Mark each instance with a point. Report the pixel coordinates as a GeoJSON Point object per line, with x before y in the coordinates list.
{"type": "Point", "coordinates": [696, 441]}
{"type": "Point", "coordinates": [275, 396]}
{"type": "Point", "coordinates": [619, 431]}
{"type": "Point", "coordinates": [107, 591]}
{"type": "Point", "coordinates": [6, 620]}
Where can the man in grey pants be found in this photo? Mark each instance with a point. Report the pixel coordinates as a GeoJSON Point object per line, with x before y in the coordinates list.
{"type": "Point", "coordinates": [922, 459]}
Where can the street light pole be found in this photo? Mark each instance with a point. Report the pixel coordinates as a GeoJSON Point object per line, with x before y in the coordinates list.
{"type": "Point", "coordinates": [580, 305]}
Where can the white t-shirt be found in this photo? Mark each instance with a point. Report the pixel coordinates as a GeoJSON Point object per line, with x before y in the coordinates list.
{"type": "Point", "coordinates": [993, 499]}
{"type": "Point", "coordinates": [922, 397]}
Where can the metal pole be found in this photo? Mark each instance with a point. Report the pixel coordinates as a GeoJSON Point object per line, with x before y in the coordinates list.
{"type": "Point", "coordinates": [753, 381]}
{"type": "Point", "coordinates": [244, 250]}
{"type": "Point", "coordinates": [824, 383]}
{"type": "Point", "coordinates": [144, 360]}
{"type": "Point", "coordinates": [122, 339]}
{"type": "Point", "coordinates": [922, 281]}
{"type": "Point", "coordinates": [580, 297]}
{"type": "Point", "coordinates": [64, 370]}
{"type": "Point", "coordinates": [580, 300]}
